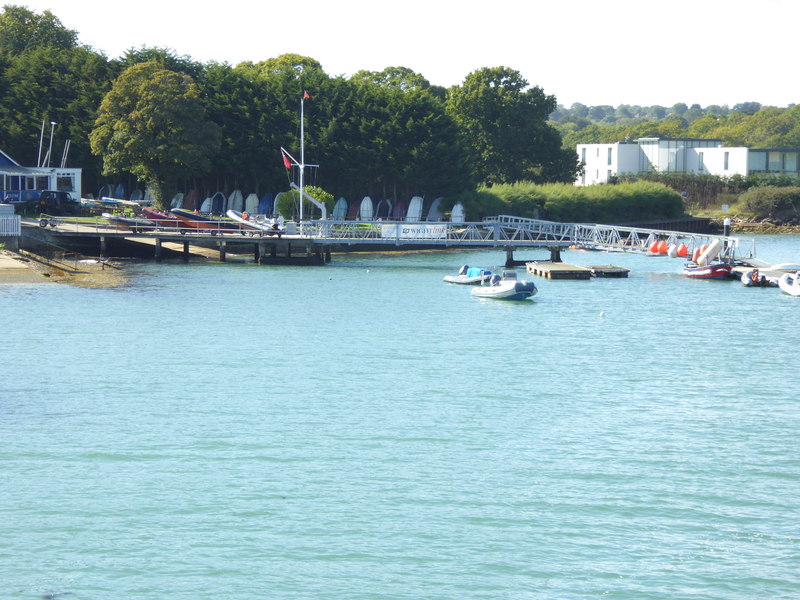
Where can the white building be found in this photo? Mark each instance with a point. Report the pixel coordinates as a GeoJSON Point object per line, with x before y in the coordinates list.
{"type": "Point", "coordinates": [20, 183]}
{"type": "Point", "coordinates": [603, 161]}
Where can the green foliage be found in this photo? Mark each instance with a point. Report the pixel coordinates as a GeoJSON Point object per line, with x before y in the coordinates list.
{"type": "Point", "coordinates": [50, 84]}
{"type": "Point", "coordinates": [748, 124]}
{"type": "Point", "coordinates": [703, 191]}
{"type": "Point", "coordinates": [22, 30]}
{"type": "Point", "coordinates": [153, 125]}
{"type": "Point", "coordinates": [771, 201]}
{"type": "Point", "coordinates": [623, 203]}
{"type": "Point", "coordinates": [504, 124]}
{"type": "Point", "coordinates": [401, 78]}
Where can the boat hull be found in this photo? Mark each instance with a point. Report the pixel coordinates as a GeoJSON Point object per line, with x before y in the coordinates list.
{"type": "Point", "coordinates": [470, 276]}
{"type": "Point", "coordinates": [715, 271]}
{"type": "Point", "coordinates": [255, 225]}
{"type": "Point", "coordinates": [128, 223]}
{"type": "Point", "coordinates": [192, 220]}
{"type": "Point", "coordinates": [762, 281]}
{"type": "Point", "coordinates": [506, 290]}
{"type": "Point", "coordinates": [790, 284]}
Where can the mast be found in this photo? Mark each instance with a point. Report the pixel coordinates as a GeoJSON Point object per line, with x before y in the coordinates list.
{"type": "Point", "coordinates": [302, 157]}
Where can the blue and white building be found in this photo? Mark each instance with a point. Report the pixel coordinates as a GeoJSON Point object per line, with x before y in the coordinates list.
{"type": "Point", "coordinates": [20, 184]}
{"type": "Point", "coordinates": [697, 156]}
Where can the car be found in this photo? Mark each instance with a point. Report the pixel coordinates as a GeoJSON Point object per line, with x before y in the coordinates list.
{"type": "Point", "coordinates": [58, 203]}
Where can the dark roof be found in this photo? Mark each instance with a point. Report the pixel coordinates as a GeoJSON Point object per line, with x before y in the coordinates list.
{"type": "Point", "coordinates": [7, 161]}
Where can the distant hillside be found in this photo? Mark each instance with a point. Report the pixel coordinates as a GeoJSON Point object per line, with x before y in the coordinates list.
{"type": "Point", "coordinates": [747, 124]}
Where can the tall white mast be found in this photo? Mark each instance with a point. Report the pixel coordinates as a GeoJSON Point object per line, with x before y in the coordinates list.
{"type": "Point", "coordinates": [302, 158]}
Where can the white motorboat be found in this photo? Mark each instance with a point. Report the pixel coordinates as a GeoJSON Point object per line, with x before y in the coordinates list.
{"type": "Point", "coordinates": [257, 224]}
{"type": "Point", "coordinates": [507, 287]}
{"type": "Point", "coordinates": [469, 276]}
{"type": "Point", "coordinates": [790, 283]}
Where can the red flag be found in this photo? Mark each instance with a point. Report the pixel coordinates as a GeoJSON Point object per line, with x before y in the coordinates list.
{"type": "Point", "coordinates": [286, 162]}
{"type": "Point", "coordinates": [306, 96]}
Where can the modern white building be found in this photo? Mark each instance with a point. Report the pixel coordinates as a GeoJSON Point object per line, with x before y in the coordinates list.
{"type": "Point", "coordinates": [20, 184]}
{"type": "Point", "coordinates": [698, 156]}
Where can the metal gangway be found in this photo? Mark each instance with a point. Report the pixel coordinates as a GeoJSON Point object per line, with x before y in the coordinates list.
{"type": "Point", "coordinates": [514, 232]}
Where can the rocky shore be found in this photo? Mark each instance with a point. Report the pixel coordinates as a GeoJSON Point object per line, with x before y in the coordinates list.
{"type": "Point", "coordinates": [740, 225]}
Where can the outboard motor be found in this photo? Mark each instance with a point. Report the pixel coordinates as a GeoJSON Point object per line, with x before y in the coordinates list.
{"type": "Point", "coordinates": [463, 270]}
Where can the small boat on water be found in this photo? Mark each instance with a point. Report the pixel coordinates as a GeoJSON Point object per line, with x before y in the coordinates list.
{"type": "Point", "coordinates": [790, 283]}
{"type": "Point", "coordinates": [257, 224]}
{"type": "Point", "coordinates": [202, 222]}
{"type": "Point", "coordinates": [507, 287]}
{"type": "Point", "coordinates": [710, 271]}
{"type": "Point", "coordinates": [469, 276]}
{"type": "Point", "coordinates": [134, 224]}
{"type": "Point", "coordinates": [753, 278]}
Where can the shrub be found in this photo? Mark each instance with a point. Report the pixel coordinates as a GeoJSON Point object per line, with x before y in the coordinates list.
{"type": "Point", "coordinates": [773, 202]}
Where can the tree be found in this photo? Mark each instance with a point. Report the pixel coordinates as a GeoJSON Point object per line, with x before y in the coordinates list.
{"type": "Point", "coordinates": [401, 78]}
{"type": "Point", "coordinates": [504, 123]}
{"type": "Point", "coordinates": [49, 84]}
{"type": "Point", "coordinates": [21, 30]}
{"type": "Point", "coordinates": [163, 56]}
{"type": "Point", "coordinates": [153, 125]}
{"type": "Point", "coordinates": [748, 108]}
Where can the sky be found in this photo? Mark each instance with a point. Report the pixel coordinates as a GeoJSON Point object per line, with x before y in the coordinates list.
{"type": "Point", "coordinates": [595, 53]}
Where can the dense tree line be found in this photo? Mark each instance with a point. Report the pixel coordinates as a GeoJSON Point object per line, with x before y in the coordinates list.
{"type": "Point", "coordinates": [747, 124]}
{"type": "Point", "coordinates": [151, 117]}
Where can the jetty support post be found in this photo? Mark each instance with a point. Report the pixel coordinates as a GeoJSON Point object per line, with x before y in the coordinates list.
{"type": "Point", "coordinates": [509, 257]}
{"type": "Point", "coordinates": [186, 252]}
{"type": "Point", "coordinates": [555, 254]}
{"type": "Point", "coordinates": [158, 249]}
{"type": "Point", "coordinates": [257, 252]}
{"type": "Point", "coordinates": [103, 247]}
{"type": "Point", "coordinates": [222, 250]}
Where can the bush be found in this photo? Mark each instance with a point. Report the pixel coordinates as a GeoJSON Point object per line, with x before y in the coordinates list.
{"type": "Point", "coordinates": [772, 202]}
{"type": "Point", "coordinates": [625, 202]}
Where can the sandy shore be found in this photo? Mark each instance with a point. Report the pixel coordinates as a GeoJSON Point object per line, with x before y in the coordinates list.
{"type": "Point", "coordinates": [91, 274]}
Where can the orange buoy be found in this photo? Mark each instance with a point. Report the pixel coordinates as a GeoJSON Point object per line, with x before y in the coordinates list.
{"type": "Point", "coordinates": [654, 248]}
{"type": "Point", "coordinates": [662, 247]}
{"type": "Point", "coordinates": [696, 254]}
{"type": "Point", "coordinates": [682, 250]}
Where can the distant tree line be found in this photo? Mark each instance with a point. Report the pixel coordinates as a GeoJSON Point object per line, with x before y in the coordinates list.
{"type": "Point", "coordinates": [748, 124]}
{"type": "Point", "coordinates": [171, 123]}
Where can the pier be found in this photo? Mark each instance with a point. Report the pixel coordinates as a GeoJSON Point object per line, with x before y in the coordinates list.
{"type": "Point", "coordinates": [315, 241]}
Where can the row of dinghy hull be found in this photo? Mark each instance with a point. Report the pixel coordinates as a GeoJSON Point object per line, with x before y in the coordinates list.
{"type": "Point", "coordinates": [368, 210]}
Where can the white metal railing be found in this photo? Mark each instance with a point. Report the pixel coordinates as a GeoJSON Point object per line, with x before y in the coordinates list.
{"type": "Point", "coordinates": [10, 226]}
{"type": "Point", "coordinates": [626, 239]}
{"type": "Point", "coordinates": [497, 231]}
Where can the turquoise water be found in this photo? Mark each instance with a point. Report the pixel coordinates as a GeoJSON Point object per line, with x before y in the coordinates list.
{"type": "Point", "coordinates": [364, 431]}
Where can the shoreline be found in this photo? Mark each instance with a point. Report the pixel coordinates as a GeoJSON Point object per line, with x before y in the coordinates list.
{"type": "Point", "coordinates": [17, 269]}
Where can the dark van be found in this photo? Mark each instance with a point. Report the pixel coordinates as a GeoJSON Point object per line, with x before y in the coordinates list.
{"type": "Point", "coordinates": [59, 204]}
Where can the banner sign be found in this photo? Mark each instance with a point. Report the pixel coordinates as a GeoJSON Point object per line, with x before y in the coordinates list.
{"type": "Point", "coordinates": [415, 231]}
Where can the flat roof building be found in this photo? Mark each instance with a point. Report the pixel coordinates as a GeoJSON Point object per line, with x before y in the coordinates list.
{"type": "Point", "coordinates": [20, 183]}
{"type": "Point", "coordinates": [602, 162]}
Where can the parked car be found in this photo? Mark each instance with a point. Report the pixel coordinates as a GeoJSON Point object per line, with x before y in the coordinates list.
{"type": "Point", "coordinates": [59, 203]}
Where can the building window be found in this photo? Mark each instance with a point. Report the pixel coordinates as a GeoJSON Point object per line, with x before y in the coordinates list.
{"type": "Point", "coordinates": [725, 161]}
{"type": "Point", "coordinates": [700, 166]}
{"type": "Point", "coordinates": [775, 162]}
{"type": "Point", "coordinates": [583, 155]}
{"type": "Point", "coordinates": [609, 155]}
{"type": "Point", "coordinates": [608, 175]}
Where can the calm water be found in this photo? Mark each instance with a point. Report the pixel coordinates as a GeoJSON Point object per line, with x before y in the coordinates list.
{"type": "Point", "coordinates": [364, 431]}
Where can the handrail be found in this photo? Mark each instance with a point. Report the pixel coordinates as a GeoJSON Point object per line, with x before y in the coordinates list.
{"type": "Point", "coordinates": [499, 231]}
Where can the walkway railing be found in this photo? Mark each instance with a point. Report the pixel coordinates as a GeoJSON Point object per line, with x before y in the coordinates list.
{"type": "Point", "coordinates": [497, 232]}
